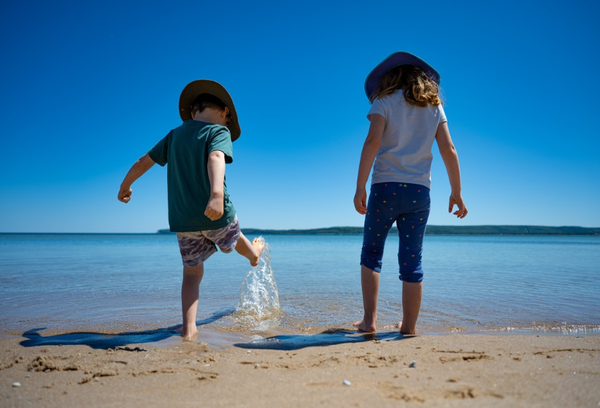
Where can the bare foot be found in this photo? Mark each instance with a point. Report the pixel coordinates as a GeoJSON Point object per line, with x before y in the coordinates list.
{"type": "Point", "coordinates": [192, 335]}
{"type": "Point", "coordinates": [362, 326]}
{"type": "Point", "coordinates": [258, 246]}
{"type": "Point", "coordinates": [406, 332]}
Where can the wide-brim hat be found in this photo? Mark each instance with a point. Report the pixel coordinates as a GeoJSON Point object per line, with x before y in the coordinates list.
{"type": "Point", "coordinates": [200, 86]}
{"type": "Point", "coordinates": [396, 59]}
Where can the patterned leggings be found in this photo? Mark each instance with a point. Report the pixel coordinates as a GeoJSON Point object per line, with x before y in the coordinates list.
{"type": "Point", "coordinates": [407, 205]}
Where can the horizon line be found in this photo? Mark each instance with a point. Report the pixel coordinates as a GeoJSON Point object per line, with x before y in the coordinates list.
{"type": "Point", "coordinates": [316, 228]}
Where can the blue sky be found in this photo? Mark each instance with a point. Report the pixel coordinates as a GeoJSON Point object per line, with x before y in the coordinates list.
{"type": "Point", "coordinates": [88, 87]}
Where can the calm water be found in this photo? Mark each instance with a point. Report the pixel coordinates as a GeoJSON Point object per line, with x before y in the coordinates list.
{"type": "Point", "coordinates": [472, 283]}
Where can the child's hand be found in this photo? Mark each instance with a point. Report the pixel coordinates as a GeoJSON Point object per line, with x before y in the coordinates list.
{"type": "Point", "coordinates": [360, 200]}
{"type": "Point", "coordinates": [456, 199]}
{"type": "Point", "coordinates": [125, 194]}
{"type": "Point", "coordinates": [214, 209]}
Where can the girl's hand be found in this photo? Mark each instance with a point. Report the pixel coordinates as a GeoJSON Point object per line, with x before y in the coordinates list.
{"type": "Point", "coordinates": [360, 200]}
{"type": "Point", "coordinates": [456, 199]}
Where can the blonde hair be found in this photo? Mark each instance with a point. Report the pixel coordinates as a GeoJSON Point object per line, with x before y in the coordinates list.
{"type": "Point", "coordinates": [419, 89]}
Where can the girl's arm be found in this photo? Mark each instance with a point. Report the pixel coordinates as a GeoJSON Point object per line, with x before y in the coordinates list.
{"type": "Point", "coordinates": [216, 175]}
{"type": "Point", "coordinates": [367, 157]}
{"type": "Point", "coordinates": [450, 157]}
{"type": "Point", "coordinates": [141, 166]}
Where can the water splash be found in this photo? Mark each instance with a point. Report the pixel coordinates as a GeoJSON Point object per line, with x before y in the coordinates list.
{"type": "Point", "coordinates": [259, 298]}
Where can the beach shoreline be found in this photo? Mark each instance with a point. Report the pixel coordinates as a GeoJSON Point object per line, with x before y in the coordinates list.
{"type": "Point", "coordinates": [456, 369]}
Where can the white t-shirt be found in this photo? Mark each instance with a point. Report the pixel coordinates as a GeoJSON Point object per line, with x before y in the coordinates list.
{"type": "Point", "coordinates": [405, 152]}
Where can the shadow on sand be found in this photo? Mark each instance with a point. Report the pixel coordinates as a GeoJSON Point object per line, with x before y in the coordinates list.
{"type": "Point", "coordinates": [106, 341]}
{"type": "Point", "coordinates": [327, 338]}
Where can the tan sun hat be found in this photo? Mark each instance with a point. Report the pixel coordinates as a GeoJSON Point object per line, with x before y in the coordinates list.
{"type": "Point", "coordinates": [200, 86]}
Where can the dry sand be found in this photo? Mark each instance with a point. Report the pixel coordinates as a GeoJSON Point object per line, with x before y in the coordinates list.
{"type": "Point", "coordinates": [446, 371]}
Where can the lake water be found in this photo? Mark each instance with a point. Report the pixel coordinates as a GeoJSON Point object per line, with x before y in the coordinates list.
{"type": "Point", "coordinates": [112, 283]}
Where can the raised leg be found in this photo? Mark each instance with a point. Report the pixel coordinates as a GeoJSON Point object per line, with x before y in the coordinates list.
{"type": "Point", "coordinates": [249, 250]}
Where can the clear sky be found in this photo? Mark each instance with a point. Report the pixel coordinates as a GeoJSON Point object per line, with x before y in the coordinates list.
{"type": "Point", "coordinates": [88, 87]}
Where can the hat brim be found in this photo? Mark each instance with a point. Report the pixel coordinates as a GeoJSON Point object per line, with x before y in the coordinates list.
{"type": "Point", "coordinates": [200, 86]}
{"type": "Point", "coordinates": [396, 59]}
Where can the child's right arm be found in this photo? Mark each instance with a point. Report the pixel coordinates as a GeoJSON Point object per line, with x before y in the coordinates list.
{"type": "Point", "coordinates": [367, 157]}
{"type": "Point", "coordinates": [137, 170]}
{"type": "Point", "coordinates": [450, 157]}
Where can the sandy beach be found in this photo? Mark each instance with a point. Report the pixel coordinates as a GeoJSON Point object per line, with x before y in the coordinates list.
{"type": "Point", "coordinates": [486, 370]}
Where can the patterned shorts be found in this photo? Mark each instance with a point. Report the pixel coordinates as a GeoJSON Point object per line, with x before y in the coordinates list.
{"type": "Point", "coordinates": [197, 247]}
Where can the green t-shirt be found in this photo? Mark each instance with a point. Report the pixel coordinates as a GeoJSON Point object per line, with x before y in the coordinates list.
{"type": "Point", "coordinates": [186, 151]}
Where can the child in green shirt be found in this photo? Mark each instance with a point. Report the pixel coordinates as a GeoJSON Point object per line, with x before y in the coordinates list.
{"type": "Point", "coordinates": [200, 211]}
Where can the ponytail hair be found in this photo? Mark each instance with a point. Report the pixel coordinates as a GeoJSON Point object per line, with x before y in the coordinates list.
{"type": "Point", "coordinates": [419, 89]}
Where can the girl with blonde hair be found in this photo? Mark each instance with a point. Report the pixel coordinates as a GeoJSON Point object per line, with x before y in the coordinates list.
{"type": "Point", "coordinates": [406, 116]}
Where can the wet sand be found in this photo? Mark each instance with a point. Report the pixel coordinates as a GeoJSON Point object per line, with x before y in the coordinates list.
{"type": "Point", "coordinates": [500, 370]}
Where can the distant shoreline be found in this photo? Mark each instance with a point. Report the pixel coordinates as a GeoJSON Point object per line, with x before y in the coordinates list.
{"type": "Point", "coordinates": [434, 230]}
{"type": "Point", "coordinates": [431, 230]}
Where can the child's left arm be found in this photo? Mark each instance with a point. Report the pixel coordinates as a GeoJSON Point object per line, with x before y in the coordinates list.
{"type": "Point", "coordinates": [450, 157]}
{"type": "Point", "coordinates": [137, 170]}
{"type": "Point", "coordinates": [216, 174]}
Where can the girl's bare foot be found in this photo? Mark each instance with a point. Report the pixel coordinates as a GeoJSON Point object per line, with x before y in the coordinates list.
{"type": "Point", "coordinates": [191, 335]}
{"type": "Point", "coordinates": [258, 246]}
{"type": "Point", "coordinates": [405, 331]}
{"type": "Point", "coordinates": [362, 326]}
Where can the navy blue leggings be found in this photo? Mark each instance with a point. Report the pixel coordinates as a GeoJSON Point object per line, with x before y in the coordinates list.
{"type": "Point", "coordinates": [407, 205]}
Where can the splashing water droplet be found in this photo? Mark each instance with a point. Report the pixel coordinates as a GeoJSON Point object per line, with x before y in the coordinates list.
{"type": "Point", "coordinates": [259, 298]}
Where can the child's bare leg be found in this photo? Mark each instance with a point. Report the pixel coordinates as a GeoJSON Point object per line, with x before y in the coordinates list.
{"type": "Point", "coordinates": [370, 289]}
{"type": "Point", "coordinates": [252, 250]}
{"type": "Point", "coordinates": [192, 276]}
{"type": "Point", "coordinates": [412, 293]}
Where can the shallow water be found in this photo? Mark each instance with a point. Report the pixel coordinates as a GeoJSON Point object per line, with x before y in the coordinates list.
{"type": "Point", "coordinates": [124, 283]}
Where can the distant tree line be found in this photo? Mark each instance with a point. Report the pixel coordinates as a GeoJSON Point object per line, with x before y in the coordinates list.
{"type": "Point", "coordinates": [435, 230]}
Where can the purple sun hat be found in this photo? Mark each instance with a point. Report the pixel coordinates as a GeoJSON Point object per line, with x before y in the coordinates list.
{"type": "Point", "coordinates": [394, 60]}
